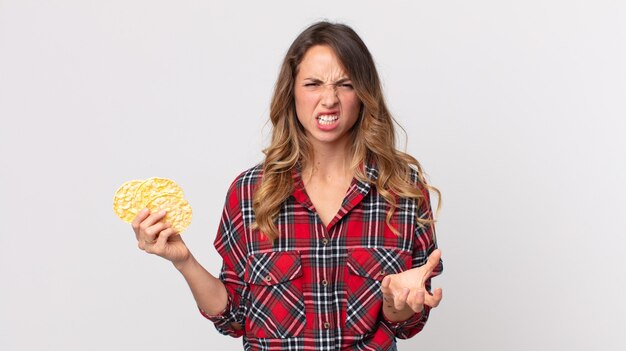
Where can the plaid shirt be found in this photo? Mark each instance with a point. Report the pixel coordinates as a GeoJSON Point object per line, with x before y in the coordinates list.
{"type": "Point", "coordinates": [318, 287]}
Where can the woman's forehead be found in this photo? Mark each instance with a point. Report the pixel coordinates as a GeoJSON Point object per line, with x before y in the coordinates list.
{"type": "Point", "coordinates": [320, 62]}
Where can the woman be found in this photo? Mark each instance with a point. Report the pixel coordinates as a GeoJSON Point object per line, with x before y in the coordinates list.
{"type": "Point", "coordinates": [329, 243]}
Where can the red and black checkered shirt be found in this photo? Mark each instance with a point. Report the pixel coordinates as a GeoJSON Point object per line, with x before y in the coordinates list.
{"type": "Point", "coordinates": [317, 287]}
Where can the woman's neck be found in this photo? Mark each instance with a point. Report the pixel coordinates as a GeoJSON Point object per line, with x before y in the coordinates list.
{"type": "Point", "coordinates": [329, 164]}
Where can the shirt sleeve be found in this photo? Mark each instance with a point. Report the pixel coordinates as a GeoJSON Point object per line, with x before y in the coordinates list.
{"type": "Point", "coordinates": [230, 243]}
{"type": "Point", "coordinates": [424, 243]}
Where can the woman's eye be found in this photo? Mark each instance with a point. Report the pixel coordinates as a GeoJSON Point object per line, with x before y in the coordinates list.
{"type": "Point", "coordinates": [346, 85]}
{"type": "Point", "coordinates": [311, 84]}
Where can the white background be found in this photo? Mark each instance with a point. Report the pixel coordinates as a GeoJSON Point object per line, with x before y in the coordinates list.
{"type": "Point", "coordinates": [517, 110]}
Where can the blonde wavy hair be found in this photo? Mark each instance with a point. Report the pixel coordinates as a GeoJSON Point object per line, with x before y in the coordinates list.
{"type": "Point", "coordinates": [373, 134]}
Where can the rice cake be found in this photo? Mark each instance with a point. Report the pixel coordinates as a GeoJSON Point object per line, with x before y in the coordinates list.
{"type": "Point", "coordinates": [154, 193]}
{"type": "Point", "coordinates": [123, 200]}
{"type": "Point", "coordinates": [178, 210]}
{"type": "Point", "coordinates": [153, 187]}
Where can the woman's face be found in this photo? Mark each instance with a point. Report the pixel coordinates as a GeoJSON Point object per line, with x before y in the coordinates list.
{"type": "Point", "coordinates": [326, 103]}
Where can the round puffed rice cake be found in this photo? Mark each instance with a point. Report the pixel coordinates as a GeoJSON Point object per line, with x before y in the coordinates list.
{"type": "Point", "coordinates": [123, 200]}
{"type": "Point", "coordinates": [153, 187]}
{"type": "Point", "coordinates": [178, 210]}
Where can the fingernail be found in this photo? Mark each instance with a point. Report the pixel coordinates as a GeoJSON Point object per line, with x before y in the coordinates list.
{"type": "Point", "coordinates": [161, 213]}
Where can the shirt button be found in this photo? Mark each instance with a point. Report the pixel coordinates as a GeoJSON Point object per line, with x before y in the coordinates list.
{"type": "Point", "coordinates": [326, 325]}
{"type": "Point", "coordinates": [325, 241]}
{"type": "Point", "coordinates": [324, 282]}
{"type": "Point", "coordinates": [268, 278]}
{"type": "Point", "coordinates": [382, 272]}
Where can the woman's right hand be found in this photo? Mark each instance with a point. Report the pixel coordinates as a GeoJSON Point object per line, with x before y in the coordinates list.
{"type": "Point", "coordinates": [157, 237]}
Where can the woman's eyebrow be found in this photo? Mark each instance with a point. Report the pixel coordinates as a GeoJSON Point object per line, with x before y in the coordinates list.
{"type": "Point", "coordinates": [316, 80]}
{"type": "Point", "coordinates": [339, 81]}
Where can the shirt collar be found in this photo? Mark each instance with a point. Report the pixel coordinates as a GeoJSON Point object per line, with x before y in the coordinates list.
{"type": "Point", "coordinates": [362, 186]}
{"type": "Point", "coordinates": [371, 172]}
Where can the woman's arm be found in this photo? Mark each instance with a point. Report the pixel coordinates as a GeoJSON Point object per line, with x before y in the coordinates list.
{"type": "Point", "coordinates": [407, 297]}
{"type": "Point", "coordinates": [158, 238]}
{"type": "Point", "coordinates": [208, 291]}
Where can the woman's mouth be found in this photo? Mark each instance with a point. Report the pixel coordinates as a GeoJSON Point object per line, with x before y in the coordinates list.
{"type": "Point", "coordinates": [326, 120]}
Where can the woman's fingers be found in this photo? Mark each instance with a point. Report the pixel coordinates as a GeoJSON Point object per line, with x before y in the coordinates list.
{"type": "Point", "coordinates": [416, 295]}
{"type": "Point", "coordinates": [415, 300]}
{"type": "Point", "coordinates": [151, 219]}
{"type": "Point", "coordinates": [165, 235]}
{"type": "Point", "coordinates": [149, 227]}
{"type": "Point", "coordinates": [432, 263]}
{"type": "Point", "coordinates": [399, 296]}
{"type": "Point", "coordinates": [157, 246]}
{"type": "Point", "coordinates": [384, 285]}
{"type": "Point", "coordinates": [433, 260]}
{"type": "Point", "coordinates": [140, 217]}
{"type": "Point", "coordinates": [407, 289]}
{"type": "Point", "coordinates": [434, 299]}
{"type": "Point", "coordinates": [399, 300]}
{"type": "Point", "coordinates": [386, 291]}
{"type": "Point", "coordinates": [149, 236]}
{"type": "Point", "coordinates": [143, 214]}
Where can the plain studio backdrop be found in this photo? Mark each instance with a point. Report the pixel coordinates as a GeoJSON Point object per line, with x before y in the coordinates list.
{"type": "Point", "coordinates": [516, 109]}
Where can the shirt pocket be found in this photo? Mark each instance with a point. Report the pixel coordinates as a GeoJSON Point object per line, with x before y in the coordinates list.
{"type": "Point", "coordinates": [276, 299]}
{"type": "Point", "coordinates": [366, 269]}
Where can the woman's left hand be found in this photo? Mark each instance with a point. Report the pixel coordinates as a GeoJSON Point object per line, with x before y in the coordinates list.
{"type": "Point", "coordinates": [407, 289]}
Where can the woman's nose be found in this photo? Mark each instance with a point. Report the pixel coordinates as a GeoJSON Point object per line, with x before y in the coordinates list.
{"type": "Point", "coordinates": [329, 96]}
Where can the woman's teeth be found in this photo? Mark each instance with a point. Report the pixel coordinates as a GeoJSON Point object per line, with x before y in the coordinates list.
{"type": "Point", "coordinates": [326, 120]}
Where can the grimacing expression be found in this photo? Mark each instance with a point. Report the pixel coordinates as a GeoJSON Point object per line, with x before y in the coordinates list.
{"type": "Point", "coordinates": [326, 103]}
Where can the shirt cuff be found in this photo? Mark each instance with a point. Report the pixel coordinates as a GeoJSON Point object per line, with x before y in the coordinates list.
{"type": "Point", "coordinates": [220, 316]}
{"type": "Point", "coordinates": [413, 320]}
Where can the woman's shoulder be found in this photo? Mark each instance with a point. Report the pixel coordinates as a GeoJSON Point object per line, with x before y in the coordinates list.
{"type": "Point", "coordinates": [251, 175]}
{"type": "Point", "coordinates": [247, 181]}
{"type": "Point", "coordinates": [416, 176]}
